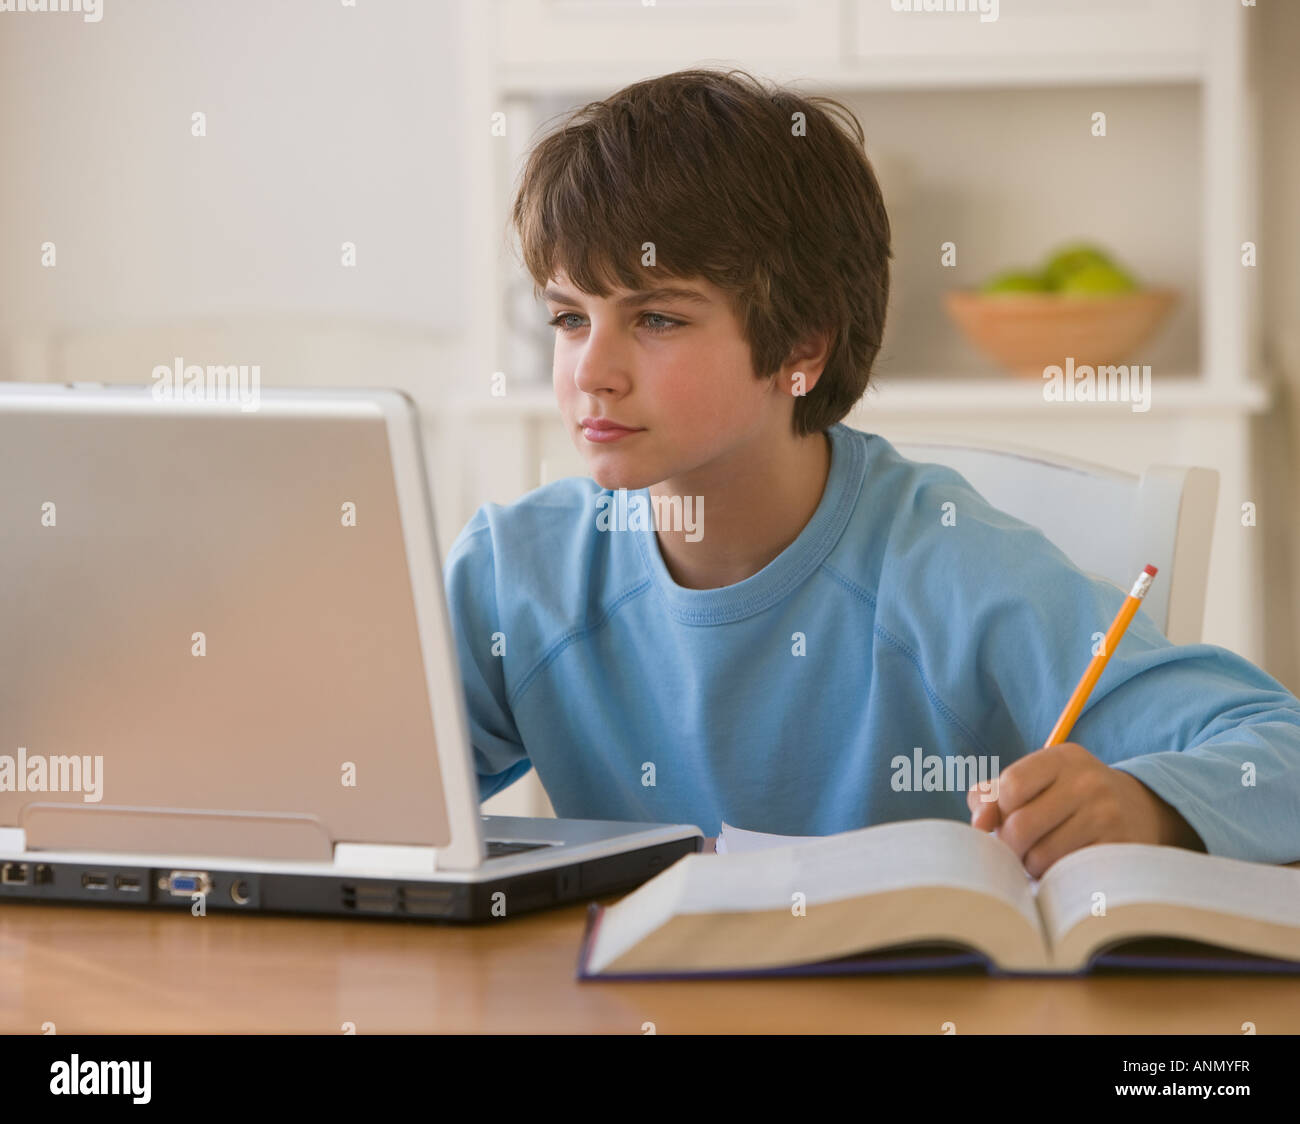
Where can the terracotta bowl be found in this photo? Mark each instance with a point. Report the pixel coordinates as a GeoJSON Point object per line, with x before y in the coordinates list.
{"type": "Point", "coordinates": [1027, 332]}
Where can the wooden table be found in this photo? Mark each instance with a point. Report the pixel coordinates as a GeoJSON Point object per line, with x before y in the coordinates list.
{"type": "Point", "coordinates": [90, 970]}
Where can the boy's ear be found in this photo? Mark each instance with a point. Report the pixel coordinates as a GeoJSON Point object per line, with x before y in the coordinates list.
{"type": "Point", "coordinates": [801, 371]}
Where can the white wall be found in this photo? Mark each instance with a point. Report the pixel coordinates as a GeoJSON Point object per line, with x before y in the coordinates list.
{"type": "Point", "coordinates": [325, 124]}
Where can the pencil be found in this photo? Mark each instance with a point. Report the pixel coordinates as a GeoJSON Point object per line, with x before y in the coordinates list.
{"type": "Point", "coordinates": [1064, 724]}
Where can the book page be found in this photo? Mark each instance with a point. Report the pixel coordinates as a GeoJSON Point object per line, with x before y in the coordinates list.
{"type": "Point", "coordinates": [869, 860]}
{"type": "Point", "coordinates": [737, 840]}
{"type": "Point", "coordinates": [1185, 884]}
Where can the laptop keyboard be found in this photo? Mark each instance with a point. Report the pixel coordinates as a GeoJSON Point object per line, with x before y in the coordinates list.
{"type": "Point", "coordinates": [496, 848]}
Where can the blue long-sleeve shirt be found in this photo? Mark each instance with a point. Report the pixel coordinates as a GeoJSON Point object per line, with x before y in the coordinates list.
{"type": "Point", "coordinates": [851, 680]}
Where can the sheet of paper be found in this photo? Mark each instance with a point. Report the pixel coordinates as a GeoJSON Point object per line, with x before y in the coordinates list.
{"type": "Point", "coordinates": [737, 840]}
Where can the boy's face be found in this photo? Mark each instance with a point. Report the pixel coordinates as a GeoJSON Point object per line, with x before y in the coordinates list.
{"type": "Point", "coordinates": [669, 363]}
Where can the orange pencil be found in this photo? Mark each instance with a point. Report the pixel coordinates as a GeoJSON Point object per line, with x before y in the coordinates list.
{"type": "Point", "coordinates": [1064, 724]}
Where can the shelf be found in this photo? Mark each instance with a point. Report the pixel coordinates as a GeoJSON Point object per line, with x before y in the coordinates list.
{"type": "Point", "coordinates": [878, 74]}
{"type": "Point", "coordinates": [898, 394]}
{"type": "Point", "coordinates": [1180, 393]}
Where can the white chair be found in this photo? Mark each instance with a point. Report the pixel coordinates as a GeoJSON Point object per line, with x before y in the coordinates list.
{"type": "Point", "coordinates": [1109, 523]}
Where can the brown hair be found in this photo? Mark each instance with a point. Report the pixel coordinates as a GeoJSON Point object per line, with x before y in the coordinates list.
{"type": "Point", "coordinates": [710, 167]}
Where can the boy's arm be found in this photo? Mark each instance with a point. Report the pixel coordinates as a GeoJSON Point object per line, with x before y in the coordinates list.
{"type": "Point", "coordinates": [1208, 735]}
{"type": "Point", "coordinates": [470, 580]}
{"type": "Point", "coordinates": [1203, 748]}
{"type": "Point", "coordinates": [1236, 780]}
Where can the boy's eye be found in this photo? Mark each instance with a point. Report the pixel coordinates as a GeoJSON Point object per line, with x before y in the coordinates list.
{"type": "Point", "coordinates": [558, 321]}
{"type": "Point", "coordinates": [664, 324]}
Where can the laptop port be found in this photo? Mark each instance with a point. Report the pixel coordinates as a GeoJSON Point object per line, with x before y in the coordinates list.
{"type": "Point", "coordinates": [44, 874]}
{"type": "Point", "coordinates": [125, 882]}
{"type": "Point", "coordinates": [428, 901]}
{"type": "Point", "coordinates": [369, 898]}
{"type": "Point", "coordinates": [94, 881]}
{"type": "Point", "coordinates": [186, 883]}
{"type": "Point", "coordinates": [13, 874]}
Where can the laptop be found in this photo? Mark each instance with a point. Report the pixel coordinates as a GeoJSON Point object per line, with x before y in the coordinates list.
{"type": "Point", "coordinates": [227, 675]}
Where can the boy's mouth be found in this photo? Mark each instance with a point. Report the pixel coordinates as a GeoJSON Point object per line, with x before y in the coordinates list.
{"type": "Point", "coordinates": [603, 430]}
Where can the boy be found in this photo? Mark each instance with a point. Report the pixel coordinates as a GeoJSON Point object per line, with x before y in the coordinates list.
{"type": "Point", "coordinates": [804, 622]}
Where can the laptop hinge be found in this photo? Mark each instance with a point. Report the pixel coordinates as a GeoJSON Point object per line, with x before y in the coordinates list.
{"type": "Point", "coordinates": [386, 856]}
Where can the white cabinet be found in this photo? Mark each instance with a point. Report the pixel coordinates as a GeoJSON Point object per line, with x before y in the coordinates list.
{"type": "Point", "coordinates": [1028, 28]}
{"type": "Point", "coordinates": [598, 33]}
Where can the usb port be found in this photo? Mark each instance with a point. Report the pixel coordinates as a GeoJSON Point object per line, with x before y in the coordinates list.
{"type": "Point", "coordinates": [13, 874]}
{"type": "Point", "coordinates": [94, 881]}
{"type": "Point", "coordinates": [123, 882]}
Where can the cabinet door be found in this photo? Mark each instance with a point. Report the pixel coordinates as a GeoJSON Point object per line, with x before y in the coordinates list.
{"type": "Point", "coordinates": [606, 34]}
{"type": "Point", "coordinates": [1028, 27]}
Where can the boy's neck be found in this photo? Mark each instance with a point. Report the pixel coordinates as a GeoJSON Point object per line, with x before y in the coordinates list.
{"type": "Point", "coordinates": [754, 507]}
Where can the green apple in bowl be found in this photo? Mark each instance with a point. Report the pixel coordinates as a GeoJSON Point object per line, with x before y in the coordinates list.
{"type": "Point", "coordinates": [1015, 281]}
{"type": "Point", "coordinates": [1098, 279]}
{"type": "Point", "coordinates": [1070, 260]}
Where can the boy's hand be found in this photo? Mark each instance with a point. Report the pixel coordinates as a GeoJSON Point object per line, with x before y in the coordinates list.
{"type": "Point", "coordinates": [1061, 798]}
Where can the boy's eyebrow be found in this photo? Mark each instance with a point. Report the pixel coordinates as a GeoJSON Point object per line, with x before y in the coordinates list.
{"type": "Point", "coordinates": [640, 296]}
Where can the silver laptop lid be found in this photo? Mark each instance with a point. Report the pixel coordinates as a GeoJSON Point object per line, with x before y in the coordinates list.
{"type": "Point", "coordinates": [223, 630]}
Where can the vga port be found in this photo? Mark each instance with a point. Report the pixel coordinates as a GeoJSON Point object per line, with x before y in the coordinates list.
{"type": "Point", "coordinates": [187, 883]}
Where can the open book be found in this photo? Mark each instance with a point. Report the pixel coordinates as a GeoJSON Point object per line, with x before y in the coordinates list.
{"type": "Point", "coordinates": [733, 840]}
{"type": "Point", "coordinates": [937, 894]}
